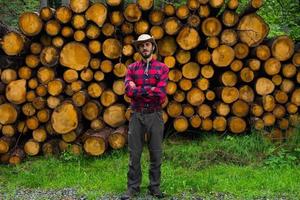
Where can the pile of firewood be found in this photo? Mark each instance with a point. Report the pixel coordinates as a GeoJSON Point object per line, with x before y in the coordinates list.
{"type": "Point", "coordinates": [66, 87]}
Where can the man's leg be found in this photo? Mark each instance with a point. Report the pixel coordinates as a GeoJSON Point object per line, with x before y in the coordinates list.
{"type": "Point", "coordinates": [155, 126]}
{"type": "Point", "coordinates": [135, 146]}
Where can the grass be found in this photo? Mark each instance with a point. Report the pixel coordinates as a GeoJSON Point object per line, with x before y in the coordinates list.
{"type": "Point", "coordinates": [208, 166]}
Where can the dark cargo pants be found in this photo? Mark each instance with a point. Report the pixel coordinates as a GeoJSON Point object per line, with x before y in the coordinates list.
{"type": "Point", "coordinates": [139, 124]}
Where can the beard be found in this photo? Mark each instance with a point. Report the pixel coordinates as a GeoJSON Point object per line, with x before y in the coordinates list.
{"type": "Point", "coordinates": [147, 54]}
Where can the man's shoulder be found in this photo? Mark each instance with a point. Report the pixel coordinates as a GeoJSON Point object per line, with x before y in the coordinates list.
{"type": "Point", "coordinates": [133, 65]}
{"type": "Point", "coordinates": [159, 63]}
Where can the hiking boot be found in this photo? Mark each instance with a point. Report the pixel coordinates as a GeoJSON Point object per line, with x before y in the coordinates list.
{"type": "Point", "coordinates": [129, 194]}
{"type": "Point", "coordinates": [157, 194]}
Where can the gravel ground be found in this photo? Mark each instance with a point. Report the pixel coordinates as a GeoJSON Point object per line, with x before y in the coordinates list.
{"type": "Point", "coordinates": [71, 194]}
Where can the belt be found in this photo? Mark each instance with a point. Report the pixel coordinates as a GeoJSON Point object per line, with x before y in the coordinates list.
{"type": "Point", "coordinates": [147, 110]}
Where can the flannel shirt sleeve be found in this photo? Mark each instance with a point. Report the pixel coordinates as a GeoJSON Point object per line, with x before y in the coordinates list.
{"type": "Point", "coordinates": [160, 89]}
{"type": "Point", "coordinates": [132, 91]}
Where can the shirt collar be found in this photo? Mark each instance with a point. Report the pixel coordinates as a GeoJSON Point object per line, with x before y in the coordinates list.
{"type": "Point", "coordinates": [151, 61]}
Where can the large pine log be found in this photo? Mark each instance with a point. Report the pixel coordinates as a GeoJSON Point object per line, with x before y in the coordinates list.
{"type": "Point", "coordinates": [64, 118]}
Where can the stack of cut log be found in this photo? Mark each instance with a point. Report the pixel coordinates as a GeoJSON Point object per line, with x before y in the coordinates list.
{"type": "Point", "coordinates": [67, 88]}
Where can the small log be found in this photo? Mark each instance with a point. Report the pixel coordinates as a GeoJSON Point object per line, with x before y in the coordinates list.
{"type": "Point", "coordinates": [119, 87]}
{"type": "Point", "coordinates": [222, 56]}
{"type": "Point", "coordinates": [195, 121]}
{"type": "Point", "coordinates": [97, 124]}
{"type": "Point", "coordinates": [63, 14]}
{"type": "Point", "coordinates": [50, 148]}
{"type": "Point", "coordinates": [79, 35]}
{"type": "Point", "coordinates": [182, 12]}
{"type": "Point", "coordinates": [96, 142]}
{"type": "Point", "coordinates": [94, 46]}
{"type": "Point", "coordinates": [247, 75]}
{"type": "Point", "coordinates": [295, 98]}
{"type": "Point", "coordinates": [39, 135]}
{"type": "Point", "coordinates": [141, 26]}
{"type": "Point", "coordinates": [219, 123]}
{"type": "Point", "coordinates": [16, 157]}
{"type": "Point", "coordinates": [79, 6]}
{"type": "Point", "coordinates": [169, 9]}
{"type": "Point", "coordinates": [204, 11]}
{"type": "Point", "coordinates": [281, 97]}
{"type": "Point", "coordinates": [263, 52]}
{"type": "Point", "coordinates": [287, 85]}
{"type": "Point", "coordinates": [204, 111]}
{"type": "Point", "coordinates": [233, 4]}
{"type": "Point", "coordinates": [230, 18]}
{"type": "Point", "coordinates": [188, 110]}
{"type": "Point", "coordinates": [118, 138]}
{"type": "Point", "coordinates": [246, 93]}
{"type": "Point", "coordinates": [8, 130]}
{"type": "Point", "coordinates": [97, 13]}
{"type": "Point", "coordinates": [156, 17]}
{"type": "Point", "coordinates": [222, 109]}
{"type": "Point", "coordinates": [127, 28]}
{"type": "Point", "coordinates": [229, 37]}
{"type": "Point", "coordinates": [283, 48]}
{"type": "Point", "coordinates": [289, 70]}
{"type": "Point", "coordinates": [194, 21]}
{"type": "Point", "coordinates": [32, 61]}
{"type": "Point", "coordinates": [167, 46]}
{"type": "Point", "coordinates": [182, 56]}
{"type": "Point", "coordinates": [114, 115]}
{"type": "Point", "coordinates": [174, 109]}
{"type": "Point", "coordinates": [229, 78]}
{"type": "Point", "coordinates": [236, 125]}
{"type": "Point", "coordinates": [252, 33]}
{"type": "Point", "coordinates": [207, 124]}
{"type": "Point", "coordinates": [67, 32]}
{"type": "Point", "coordinates": [264, 86]}
{"type": "Point", "coordinates": [132, 12]}
{"type": "Point", "coordinates": [269, 119]}
{"type": "Point", "coordinates": [46, 13]}
{"type": "Point", "coordinates": [195, 97]}
{"type": "Point", "coordinates": [112, 48]}
{"type": "Point", "coordinates": [91, 110]}
{"type": "Point", "coordinates": [190, 70]}
{"type": "Point", "coordinates": [180, 124]}
{"type": "Point", "coordinates": [8, 75]}
{"type": "Point", "coordinates": [236, 65]}
{"type": "Point", "coordinates": [172, 25]}
{"type": "Point", "coordinates": [16, 91]}
{"type": "Point", "coordinates": [12, 43]}
{"type": "Point", "coordinates": [52, 27]}
{"type": "Point", "coordinates": [229, 94]}
{"type": "Point", "coordinates": [49, 56]}
{"type": "Point", "coordinates": [202, 84]}
{"type": "Point", "coordinates": [157, 32]}
{"type": "Point", "coordinates": [43, 115]}
{"type": "Point", "coordinates": [240, 108]}
{"type": "Point", "coordinates": [203, 57]}
{"type": "Point", "coordinates": [32, 148]}
{"type": "Point", "coordinates": [211, 27]}
{"type": "Point", "coordinates": [207, 71]}
{"type": "Point", "coordinates": [241, 50]}
{"type": "Point", "coordinates": [30, 24]}
{"type": "Point", "coordinates": [179, 96]}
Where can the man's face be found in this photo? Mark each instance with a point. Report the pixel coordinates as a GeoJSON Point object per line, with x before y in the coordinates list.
{"type": "Point", "coordinates": [146, 49]}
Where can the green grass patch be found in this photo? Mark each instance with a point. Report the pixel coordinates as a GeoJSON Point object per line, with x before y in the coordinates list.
{"type": "Point", "coordinates": [209, 166]}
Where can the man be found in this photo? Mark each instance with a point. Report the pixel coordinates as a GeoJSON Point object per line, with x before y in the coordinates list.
{"type": "Point", "coordinates": [145, 84]}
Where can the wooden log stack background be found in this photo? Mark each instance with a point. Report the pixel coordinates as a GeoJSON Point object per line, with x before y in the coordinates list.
{"type": "Point", "coordinates": [66, 88]}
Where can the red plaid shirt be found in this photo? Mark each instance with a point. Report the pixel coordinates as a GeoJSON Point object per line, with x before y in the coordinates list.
{"type": "Point", "coordinates": [150, 89]}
